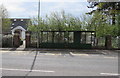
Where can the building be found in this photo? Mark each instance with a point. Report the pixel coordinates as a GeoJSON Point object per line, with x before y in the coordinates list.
{"type": "Point", "coordinates": [19, 25]}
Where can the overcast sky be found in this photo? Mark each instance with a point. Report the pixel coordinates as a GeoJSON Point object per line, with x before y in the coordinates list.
{"type": "Point", "coordinates": [28, 8]}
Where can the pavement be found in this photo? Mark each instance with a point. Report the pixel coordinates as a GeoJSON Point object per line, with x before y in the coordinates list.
{"type": "Point", "coordinates": [59, 62]}
{"type": "Point", "coordinates": [84, 51]}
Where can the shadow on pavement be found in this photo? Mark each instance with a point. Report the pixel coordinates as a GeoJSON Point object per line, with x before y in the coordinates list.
{"type": "Point", "coordinates": [33, 63]}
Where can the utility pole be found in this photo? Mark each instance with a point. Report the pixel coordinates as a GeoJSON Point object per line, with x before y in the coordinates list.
{"type": "Point", "coordinates": [38, 25]}
{"type": "Point", "coordinates": [38, 9]}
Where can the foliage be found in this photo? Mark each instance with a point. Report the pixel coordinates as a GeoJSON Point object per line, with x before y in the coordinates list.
{"type": "Point", "coordinates": [34, 26]}
{"type": "Point", "coordinates": [7, 41]}
{"type": "Point", "coordinates": [102, 27]}
{"type": "Point", "coordinates": [5, 21]}
{"type": "Point", "coordinates": [106, 18]}
{"type": "Point", "coordinates": [98, 22]}
{"type": "Point", "coordinates": [6, 25]}
{"type": "Point", "coordinates": [55, 22]}
{"type": "Point", "coordinates": [118, 23]}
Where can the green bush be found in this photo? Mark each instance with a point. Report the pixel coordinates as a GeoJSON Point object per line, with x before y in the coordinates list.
{"type": "Point", "coordinates": [7, 41]}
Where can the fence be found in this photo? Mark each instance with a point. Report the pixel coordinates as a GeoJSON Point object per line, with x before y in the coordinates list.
{"type": "Point", "coordinates": [114, 42]}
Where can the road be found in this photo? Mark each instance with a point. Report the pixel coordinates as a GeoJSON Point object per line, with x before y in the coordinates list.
{"type": "Point", "coordinates": [59, 63]}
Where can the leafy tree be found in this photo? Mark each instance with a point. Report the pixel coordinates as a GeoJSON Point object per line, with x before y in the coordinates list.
{"type": "Point", "coordinates": [101, 25]}
{"type": "Point", "coordinates": [118, 23]}
{"type": "Point", "coordinates": [107, 8]}
{"type": "Point", "coordinates": [109, 12]}
{"type": "Point", "coordinates": [5, 20]}
{"type": "Point", "coordinates": [74, 23]}
{"type": "Point", "coordinates": [56, 22]}
{"type": "Point", "coordinates": [34, 26]}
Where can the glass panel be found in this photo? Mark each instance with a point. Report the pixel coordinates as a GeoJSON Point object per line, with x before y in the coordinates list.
{"type": "Point", "coordinates": [58, 37]}
{"type": "Point", "coordinates": [49, 37]}
{"type": "Point", "coordinates": [88, 37]}
{"type": "Point", "coordinates": [44, 37]}
{"type": "Point", "coordinates": [83, 37]}
{"type": "Point", "coordinates": [61, 37]}
{"type": "Point", "coordinates": [66, 37]}
{"type": "Point", "coordinates": [71, 37]}
{"type": "Point", "coordinates": [93, 39]}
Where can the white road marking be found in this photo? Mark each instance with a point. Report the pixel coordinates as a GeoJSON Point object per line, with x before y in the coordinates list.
{"type": "Point", "coordinates": [79, 54]}
{"type": "Point", "coordinates": [111, 57]}
{"type": "Point", "coordinates": [104, 53]}
{"type": "Point", "coordinates": [27, 70]}
{"type": "Point", "coordinates": [113, 74]}
{"type": "Point", "coordinates": [13, 51]}
{"type": "Point", "coordinates": [49, 54]}
{"type": "Point", "coordinates": [4, 51]}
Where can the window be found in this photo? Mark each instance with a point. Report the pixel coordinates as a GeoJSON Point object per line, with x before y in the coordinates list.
{"type": "Point", "coordinates": [93, 38]}
{"type": "Point", "coordinates": [61, 37]}
{"type": "Point", "coordinates": [58, 37]}
{"type": "Point", "coordinates": [88, 37]}
{"type": "Point", "coordinates": [66, 37]}
{"type": "Point", "coordinates": [49, 37]}
{"type": "Point", "coordinates": [44, 36]}
{"type": "Point", "coordinates": [71, 37]}
{"type": "Point", "coordinates": [83, 37]}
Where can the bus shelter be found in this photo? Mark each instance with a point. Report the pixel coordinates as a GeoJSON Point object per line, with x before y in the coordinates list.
{"type": "Point", "coordinates": [63, 39]}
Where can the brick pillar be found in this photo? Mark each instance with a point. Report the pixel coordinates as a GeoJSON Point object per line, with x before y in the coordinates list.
{"type": "Point", "coordinates": [108, 42]}
{"type": "Point", "coordinates": [28, 39]}
{"type": "Point", "coordinates": [16, 39]}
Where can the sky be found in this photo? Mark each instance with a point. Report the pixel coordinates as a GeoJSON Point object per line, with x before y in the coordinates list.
{"type": "Point", "coordinates": [29, 8]}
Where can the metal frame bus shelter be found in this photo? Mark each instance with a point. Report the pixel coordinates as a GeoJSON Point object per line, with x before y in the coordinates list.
{"type": "Point", "coordinates": [63, 39]}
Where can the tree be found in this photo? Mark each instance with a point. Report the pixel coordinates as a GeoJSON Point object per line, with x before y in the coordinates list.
{"type": "Point", "coordinates": [33, 25]}
{"type": "Point", "coordinates": [56, 22]}
{"type": "Point", "coordinates": [101, 25]}
{"type": "Point", "coordinates": [110, 11]}
{"type": "Point", "coordinates": [5, 20]}
{"type": "Point", "coordinates": [107, 8]}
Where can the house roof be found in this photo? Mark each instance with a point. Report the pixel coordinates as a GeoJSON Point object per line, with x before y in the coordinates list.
{"type": "Point", "coordinates": [19, 22]}
{"type": "Point", "coordinates": [18, 27]}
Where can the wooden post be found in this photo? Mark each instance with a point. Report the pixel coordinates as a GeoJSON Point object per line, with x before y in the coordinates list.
{"type": "Point", "coordinates": [108, 42]}
{"type": "Point", "coordinates": [28, 39]}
